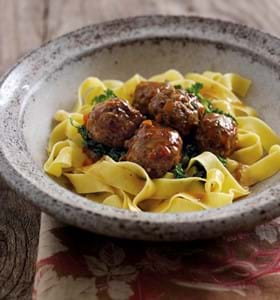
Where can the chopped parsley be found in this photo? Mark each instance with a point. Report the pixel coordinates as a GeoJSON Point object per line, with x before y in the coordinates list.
{"type": "Point", "coordinates": [82, 131]}
{"type": "Point", "coordinates": [178, 86]}
{"type": "Point", "coordinates": [207, 105]}
{"type": "Point", "coordinates": [222, 159]}
{"type": "Point", "coordinates": [108, 94]}
{"type": "Point", "coordinates": [189, 151]}
{"type": "Point", "coordinates": [178, 171]}
{"type": "Point", "coordinates": [98, 148]}
{"type": "Point", "coordinates": [195, 90]}
{"type": "Point", "coordinates": [197, 170]}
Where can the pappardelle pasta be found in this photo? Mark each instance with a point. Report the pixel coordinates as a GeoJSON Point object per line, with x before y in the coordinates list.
{"type": "Point", "coordinates": [170, 143]}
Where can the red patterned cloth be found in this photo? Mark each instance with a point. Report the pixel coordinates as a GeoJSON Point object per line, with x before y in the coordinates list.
{"type": "Point", "coordinates": [77, 265]}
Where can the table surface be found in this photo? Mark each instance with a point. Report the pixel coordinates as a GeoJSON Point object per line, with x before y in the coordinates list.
{"type": "Point", "coordinates": [25, 25]}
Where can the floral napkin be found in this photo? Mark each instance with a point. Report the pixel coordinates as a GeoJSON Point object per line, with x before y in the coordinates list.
{"type": "Point", "coordinates": [75, 264]}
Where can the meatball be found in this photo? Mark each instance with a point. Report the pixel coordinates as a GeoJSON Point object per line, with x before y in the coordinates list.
{"type": "Point", "coordinates": [145, 91]}
{"type": "Point", "coordinates": [157, 149]}
{"type": "Point", "coordinates": [218, 134]}
{"type": "Point", "coordinates": [179, 110]}
{"type": "Point", "coordinates": [112, 122]}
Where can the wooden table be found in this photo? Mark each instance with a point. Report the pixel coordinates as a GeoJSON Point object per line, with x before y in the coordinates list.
{"type": "Point", "coordinates": [26, 24]}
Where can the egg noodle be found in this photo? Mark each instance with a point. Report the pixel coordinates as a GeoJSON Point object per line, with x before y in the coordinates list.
{"type": "Point", "coordinates": [127, 185]}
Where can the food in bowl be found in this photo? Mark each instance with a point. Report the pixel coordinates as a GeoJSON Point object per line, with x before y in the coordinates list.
{"type": "Point", "coordinates": [165, 144]}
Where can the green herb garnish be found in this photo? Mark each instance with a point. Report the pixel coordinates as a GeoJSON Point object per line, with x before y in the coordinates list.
{"type": "Point", "coordinates": [83, 132]}
{"type": "Point", "coordinates": [115, 153]}
{"type": "Point", "coordinates": [178, 171]}
{"type": "Point", "coordinates": [222, 159]}
{"type": "Point", "coordinates": [195, 89]}
{"type": "Point", "coordinates": [178, 86]}
{"type": "Point", "coordinates": [98, 148]}
{"type": "Point", "coordinates": [189, 151]}
{"type": "Point", "coordinates": [221, 112]}
{"type": "Point", "coordinates": [108, 94]}
{"type": "Point", "coordinates": [207, 105]}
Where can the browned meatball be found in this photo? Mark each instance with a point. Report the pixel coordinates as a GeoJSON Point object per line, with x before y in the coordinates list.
{"type": "Point", "coordinates": [218, 134]}
{"type": "Point", "coordinates": [112, 122]}
{"type": "Point", "coordinates": [145, 91]}
{"type": "Point", "coordinates": [179, 110]}
{"type": "Point", "coordinates": [157, 149]}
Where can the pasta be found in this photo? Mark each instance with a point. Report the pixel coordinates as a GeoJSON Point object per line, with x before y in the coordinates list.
{"type": "Point", "coordinates": [127, 185]}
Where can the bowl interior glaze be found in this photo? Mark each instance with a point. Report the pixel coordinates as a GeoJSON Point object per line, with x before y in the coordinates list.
{"type": "Point", "coordinates": [48, 80]}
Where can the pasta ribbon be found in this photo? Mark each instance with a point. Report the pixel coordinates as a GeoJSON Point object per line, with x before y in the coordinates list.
{"type": "Point", "coordinates": [250, 145]}
{"type": "Point", "coordinates": [65, 129]}
{"type": "Point", "coordinates": [61, 115]}
{"type": "Point", "coordinates": [244, 110]}
{"type": "Point", "coordinates": [162, 194]}
{"type": "Point", "coordinates": [234, 82]}
{"type": "Point", "coordinates": [85, 109]}
{"type": "Point", "coordinates": [229, 184]}
{"type": "Point", "coordinates": [217, 199]}
{"type": "Point", "coordinates": [115, 199]}
{"type": "Point", "coordinates": [166, 188]}
{"type": "Point", "coordinates": [232, 165]}
{"type": "Point", "coordinates": [184, 83]}
{"type": "Point", "coordinates": [88, 183]}
{"type": "Point", "coordinates": [235, 110]}
{"type": "Point", "coordinates": [267, 136]}
{"type": "Point", "coordinates": [215, 179]}
{"type": "Point", "coordinates": [214, 196]}
{"type": "Point", "coordinates": [170, 75]}
{"type": "Point", "coordinates": [264, 168]}
{"type": "Point", "coordinates": [217, 76]}
{"type": "Point", "coordinates": [181, 202]}
{"type": "Point", "coordinates": [213, 89]}
{"type": "Point", "coordinates": [64, 155]}
{"type": "Point", "coordinates": [126, 91]}
{"type": "Point", "coordinates": [88, 90]}
{"type": "Point", "coordinates": [225, 106]}
{"type": "Point", "coordinates": [113, 84]}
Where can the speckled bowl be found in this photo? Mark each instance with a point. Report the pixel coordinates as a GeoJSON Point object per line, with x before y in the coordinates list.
{"type": "Point", "coordinates": [47, 79]}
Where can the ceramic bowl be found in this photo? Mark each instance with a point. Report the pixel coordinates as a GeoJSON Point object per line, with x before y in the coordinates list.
{"type": "Point", "coordinates": [47, 80]}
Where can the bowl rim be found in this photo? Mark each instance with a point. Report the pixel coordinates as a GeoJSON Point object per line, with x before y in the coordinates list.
{"type": "Point", "coordinates": [267, 203]}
